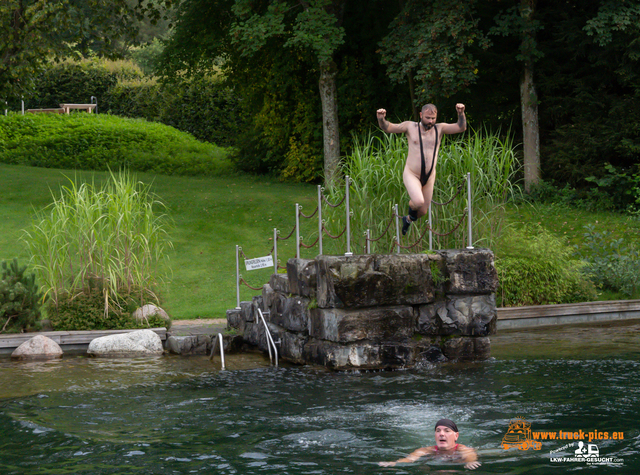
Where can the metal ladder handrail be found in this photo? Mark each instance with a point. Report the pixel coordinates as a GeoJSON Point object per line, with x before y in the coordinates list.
{"type": "Point", "coordinates": [220, 341]}
{"type": "Point", "coordinates": [270, 341]}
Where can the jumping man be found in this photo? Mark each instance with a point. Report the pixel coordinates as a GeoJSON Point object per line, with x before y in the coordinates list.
{"type": "Point", "coordinates": [424, 139]}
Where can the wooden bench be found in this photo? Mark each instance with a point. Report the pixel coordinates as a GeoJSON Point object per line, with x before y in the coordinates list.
{"type": "Point", "coordinates": [46, 111]}
{"type": "Point", "coordinates": [88, 107]}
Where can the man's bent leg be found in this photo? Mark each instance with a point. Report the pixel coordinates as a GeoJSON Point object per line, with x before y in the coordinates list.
{"type": "Point", "coordinates": [416, 199]}
{"type": "Point", "coordinates": [427, 194]}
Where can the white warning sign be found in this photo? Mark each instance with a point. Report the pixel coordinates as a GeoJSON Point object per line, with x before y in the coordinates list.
{"type": "Point", "coordinates": [259, 262]}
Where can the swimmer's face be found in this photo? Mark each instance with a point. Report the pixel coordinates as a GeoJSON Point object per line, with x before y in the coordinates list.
{"type": "Point", "coordinates": [428, 118]}
{"type": "Point", "coordinates": [445, 438]}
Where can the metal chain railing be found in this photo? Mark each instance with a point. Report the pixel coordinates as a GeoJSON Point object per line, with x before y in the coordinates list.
{"type": "Point", "coordinates": [326, 231]}
{"type": "Point", "coordinates": [322, 230]}
{"type": "Point", "coordinates": [310, 245]}
{"type": "Point", "coordinates": [428, 228]}
{"type": "Point", "coordinates": [242, 281]}
{"type": "Point", "coordinates": [455, 195]}
{"type": "Point", "coordinates": [311, 215]}
{"type": "Point", "coordinates": [324, 198]}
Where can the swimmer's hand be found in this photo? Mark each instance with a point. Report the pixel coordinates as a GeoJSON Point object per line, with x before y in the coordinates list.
{"type": "Point", "coordinates": [472, 465]}
{"type": "Point", "coordinates": [381, 113]}
{"type": "Point", "coordinates": [387, 464]}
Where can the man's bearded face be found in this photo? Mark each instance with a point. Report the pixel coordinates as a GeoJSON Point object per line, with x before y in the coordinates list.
{"type": "Point", "coordinates": [428, 119]}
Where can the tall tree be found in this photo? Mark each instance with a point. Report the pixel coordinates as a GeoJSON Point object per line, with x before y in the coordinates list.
{"type": "Point", "coordinates": [314, 26]}
{"type": "Point", "coordinates": [36, 31]}
{"type": "Point", "coordinates": [519, 21]}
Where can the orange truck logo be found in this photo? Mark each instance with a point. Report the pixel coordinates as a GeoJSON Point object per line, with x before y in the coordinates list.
{"type": "Point", "coordinates": [519, 435]}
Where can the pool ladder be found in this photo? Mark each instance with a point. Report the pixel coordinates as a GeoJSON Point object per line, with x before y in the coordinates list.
{"type": "Point", "coordinates": [270, 342]}
{"type": "Point", "coordinates": [219, 341]}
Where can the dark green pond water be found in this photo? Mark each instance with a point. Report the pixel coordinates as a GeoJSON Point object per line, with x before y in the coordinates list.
{"type": "Point", "coordinates": [177, 415]}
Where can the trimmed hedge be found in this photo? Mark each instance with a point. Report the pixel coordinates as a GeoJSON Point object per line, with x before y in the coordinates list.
{"type": "Point", "coordinates": [101, 142]}
{"type": "Point", "coordinates": [203, 107]}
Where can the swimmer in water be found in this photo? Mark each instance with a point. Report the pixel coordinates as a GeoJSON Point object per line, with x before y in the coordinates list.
{"type": "Point", "coordinates": [446, 446]}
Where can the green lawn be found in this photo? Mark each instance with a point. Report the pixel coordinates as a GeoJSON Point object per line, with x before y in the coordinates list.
{"type": "Point", "coordinates": [212, 215]}
{"type": "Point", "coordinates": [570, 222]}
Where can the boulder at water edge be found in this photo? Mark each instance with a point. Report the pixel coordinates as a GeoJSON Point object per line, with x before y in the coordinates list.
{"type": "Point", "coordinates": [38, 347]}
{"type": "Point", "coordinates": [142, 314]}
{"type": "Point", "coordinates": [136, 343]}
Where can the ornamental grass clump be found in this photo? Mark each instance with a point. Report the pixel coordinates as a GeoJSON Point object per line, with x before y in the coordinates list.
{"type": "Point", "coordinates": [107, 242]}
{"type": "Point", "coordinates": [376, 165]}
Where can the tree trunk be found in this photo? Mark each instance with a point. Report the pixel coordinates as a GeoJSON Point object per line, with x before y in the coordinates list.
{"type": "Point", "coordinates": [529, 105]}
{"type": "Point", "coordinates": [331, 136]}
{"type": "Point", "coordinates": [530, 131]}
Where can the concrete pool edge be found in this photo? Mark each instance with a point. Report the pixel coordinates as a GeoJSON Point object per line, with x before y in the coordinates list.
{"type": "Point", "coordinates": [516, 318]}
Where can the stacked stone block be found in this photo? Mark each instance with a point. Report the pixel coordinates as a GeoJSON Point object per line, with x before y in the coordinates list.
{"type": "Point", "coordinates": [377, 311]}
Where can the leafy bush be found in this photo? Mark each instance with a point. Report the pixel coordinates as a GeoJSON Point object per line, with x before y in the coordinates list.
{"type": "Point", "coordinates": [537, 268]}
{"type": "Point", "coordinates": [106, 241]}
{"type": "Point", "coordinates": [614, 189]}
{"type": "Point", "coordinates": [19, 298]}
{"type": "Point", "coordinates": [86, 312]}
{"type": "Point", "coordinates": [205, 107]}
{"type": "Point", "coordinates": [101, 142]}
{"type": "Point", "coordinates": [619, 188]}
{"type": "Point", "coordinates": [612, 264]}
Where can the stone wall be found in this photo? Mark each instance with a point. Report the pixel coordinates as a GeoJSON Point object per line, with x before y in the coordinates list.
{"type": "Point", "coordinates": [377, 311]}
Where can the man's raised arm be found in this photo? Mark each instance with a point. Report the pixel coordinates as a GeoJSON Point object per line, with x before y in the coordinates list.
{"type": "Point", "coordinates": [388, 126]}
{"type": "Point", "coordinates": [459, 126]}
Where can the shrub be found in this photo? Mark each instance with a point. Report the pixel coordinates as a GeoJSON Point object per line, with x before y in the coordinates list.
{"type": "Point", "coordinates": [102, 142]}
{"type": "Point", "coordinates": [612, 264]}
{"type": "Point", "coordinates": [86, 312]}
{"type": "Point", "coordinates": [106, 241]}
{"type": "Point", "coordinates": [19, 298]}
{"type": "Point", "coordinates": [537, 268]}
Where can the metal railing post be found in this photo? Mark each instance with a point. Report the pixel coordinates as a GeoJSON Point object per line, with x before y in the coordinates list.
{"type": "Point", "coordinates": [22, 100]}
{"type": "Point", "coordinates": [368, 242]}
{"type": "Point", "coordinates": [320, 220]}
{"type": "Point", "coordinates": [275, 251]}
{"type": "Point", "coordinates": [470, 246]}
{"type": "Point", "coordinates": [430, 230]}
{"type": "Point", "coordinates": [348, 253]}
{"type": "Point", "coordinates": [395, 209]}
{"type": "Point", "coordinates": [221, 349]}
{"type": "Point", "coordinates": [237, 277]}
{"type": "Point", "coordinates": [94, 98]}
{"type": "Point", "coordinates": [297, 231]}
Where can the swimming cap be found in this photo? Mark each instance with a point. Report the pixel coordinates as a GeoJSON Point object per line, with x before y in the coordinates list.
{"type": "Point", "coordinates": [447, 423]}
